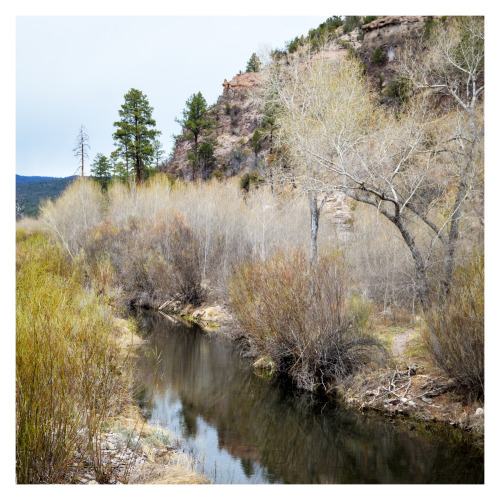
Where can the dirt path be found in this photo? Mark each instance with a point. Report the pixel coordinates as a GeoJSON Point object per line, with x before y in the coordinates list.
{"type": "Point", "coordinates": [400, 343]}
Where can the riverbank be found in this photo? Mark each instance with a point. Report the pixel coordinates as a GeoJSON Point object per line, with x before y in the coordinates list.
{"type": "Point", "coordinates": [76, 419]}
{"type": "Point", "coordinates": [407, 387]}
{"type": "Point", "coordinates": [131, 451]}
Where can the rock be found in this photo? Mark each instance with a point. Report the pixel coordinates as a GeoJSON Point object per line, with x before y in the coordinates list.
{"type": "Point", "coordinates": [479, 412]}
{"type": "Point", "coordinates": [265, 364]}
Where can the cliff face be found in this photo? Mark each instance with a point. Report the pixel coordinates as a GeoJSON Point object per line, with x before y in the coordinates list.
{"type": "Point", "coordinates": [388, 35]}
{"type": "Point", "coordinates": [238, 117]}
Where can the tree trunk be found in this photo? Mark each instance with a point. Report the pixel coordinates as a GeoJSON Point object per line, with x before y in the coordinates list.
{"type": "Point", "coordinates": [83, 154]}
{"type": "Point", "coordinates": [195, 166]}
{"type": "Point", "coordinates": [314, 211]}
{"type": "Point", "coordinates": [422, 285]}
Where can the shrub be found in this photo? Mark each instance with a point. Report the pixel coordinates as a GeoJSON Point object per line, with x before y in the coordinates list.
{"type": "Point", "coordinates": [76, 212]}
{"type": "Point", "coordinates": [361, 310]}
{"type": "Point", "coordinates": [185, 272]}
{"type": "Point", "coordinates": [68, 364]}
{"type": "Point", "coordinates": [455, 329]}
{"type": "Point", "coordinates": [248, 180]}
{"type": "Point", "coordinates": [378, 56]}
{"type": "Point", "coordinates": [399, 90]}
{"type": "Point", "coordinates": [296, 315]}
{"type": "Point", "coordinates": [218, 174]}
{"type": "Point", "coordinates": [369, 19]}
{"type": "Point", "coordinates": [256, 141]}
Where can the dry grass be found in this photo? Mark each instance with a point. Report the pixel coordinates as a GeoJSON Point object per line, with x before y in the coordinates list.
{"type": "Point", "coordinates": [71, 372]}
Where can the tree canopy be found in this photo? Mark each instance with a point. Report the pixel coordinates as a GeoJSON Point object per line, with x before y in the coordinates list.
{"type": "Point", "coordinates": [101, 170]}
{"type": "Point", "coordinates": [196, 121]}
{"type": "Point", "coordinates": [135, 133]}
{"type": "Point", "coordinates": [253, 64]}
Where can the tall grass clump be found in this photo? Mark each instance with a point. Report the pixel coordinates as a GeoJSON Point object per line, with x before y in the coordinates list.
{"type": "Point", "coordinates": [455, 329]}
{"type": "Point", "coordinates": [70, 369]}
{"type": "Point", "coordinates": [297, 316]}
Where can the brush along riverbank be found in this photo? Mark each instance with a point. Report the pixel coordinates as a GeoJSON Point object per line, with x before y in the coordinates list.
{"type": "Point", "coordinates": [74, 379]}
{"type": "Point", "coordinates": [407, 388]}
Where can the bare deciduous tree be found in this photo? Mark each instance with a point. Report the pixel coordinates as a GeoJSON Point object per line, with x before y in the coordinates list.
{"type": "Point", "coordinates": [81, 146]}
{"type": "Point", "coordinates": [416, 166]}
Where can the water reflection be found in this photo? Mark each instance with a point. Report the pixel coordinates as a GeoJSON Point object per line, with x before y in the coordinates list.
{"type": "Point", "coordinates": [246, 429]}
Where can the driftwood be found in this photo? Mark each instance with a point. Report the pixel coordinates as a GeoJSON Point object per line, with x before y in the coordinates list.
{"type": "Point", "coordinates": [165, 304]}
{"type": "Point", "coordinates": [168, 317]}
{"type": "Point", "coordinates": [397, 395]}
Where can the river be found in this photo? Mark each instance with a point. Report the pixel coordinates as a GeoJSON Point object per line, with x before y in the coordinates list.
{"type": "Point", "coordinates": [243, 428]}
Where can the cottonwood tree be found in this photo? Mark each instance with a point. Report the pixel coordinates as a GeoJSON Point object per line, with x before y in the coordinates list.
{"type": "Point", "coordinates": [451, 63]}
{"type": "Point", "coordinates": [415, 167]}
{"type": "Point", "coordinates": [81, 146]}
{"type": "Point", "coordinates": [135, 132]}
{"type": "Point", "coordinates": [285, 93]}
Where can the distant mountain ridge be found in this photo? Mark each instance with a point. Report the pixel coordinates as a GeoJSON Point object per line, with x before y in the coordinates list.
{"type": "Point", "coordinates": [21, 179]}
{"type": "Point", "coordinates": [32, 190]}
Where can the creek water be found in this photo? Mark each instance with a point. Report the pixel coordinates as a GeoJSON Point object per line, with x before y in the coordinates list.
{"type": "Point", "coordinates": [243, 428]}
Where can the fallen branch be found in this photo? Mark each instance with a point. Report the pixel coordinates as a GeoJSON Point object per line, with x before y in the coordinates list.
{"type": "Point", "coordinates": [165, 304]}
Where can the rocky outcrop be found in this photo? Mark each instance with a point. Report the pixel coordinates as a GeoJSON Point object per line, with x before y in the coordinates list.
{"type": "Point", "coordinates": [238, 117]}
{"type": "Point", "coordinates": [243, 81]}
{"type": "Point", "coordinates": [389, 34]}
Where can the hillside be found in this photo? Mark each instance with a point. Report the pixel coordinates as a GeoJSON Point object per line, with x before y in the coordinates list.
{"type": "Point", "coordinates": [32, 190]}
{"type": "Point", "coordinates": [243, 135]}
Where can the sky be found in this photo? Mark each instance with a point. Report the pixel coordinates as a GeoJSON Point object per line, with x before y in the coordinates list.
{"type": "Point", "coordinates": [75, 70]}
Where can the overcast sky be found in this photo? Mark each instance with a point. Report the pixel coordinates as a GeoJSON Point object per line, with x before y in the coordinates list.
{"type": "Point", "coordinates": [73, 71]}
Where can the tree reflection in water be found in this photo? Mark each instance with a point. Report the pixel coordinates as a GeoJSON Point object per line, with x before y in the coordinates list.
{"type": "Point", "coordinates": [254, 430]}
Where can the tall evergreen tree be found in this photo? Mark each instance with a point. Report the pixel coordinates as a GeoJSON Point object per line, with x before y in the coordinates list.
{"type": "Point", "coordinates": [101, 170]}
{"type": "Point", "coordinates": [135, 133]}
{"type": "Point", "coordinates": [253, 64]}
{"type": "Point", "coordinates": [158, 152]}
{"type": "Point", "coordinates": [196, 121]}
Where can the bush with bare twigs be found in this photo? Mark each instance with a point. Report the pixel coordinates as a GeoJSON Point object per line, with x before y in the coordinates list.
{"type": "Point", "coordinates": [296, 314]}
{"type": "Point", "coordinates": [455, 335]}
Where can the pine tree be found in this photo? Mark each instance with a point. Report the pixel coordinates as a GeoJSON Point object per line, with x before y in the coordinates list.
{"type": "Point", "coordinates": [158, 152]}
{"type": "Point", "coordinates": [118, 167]}
{"type": "Point", "coordinates": [101, 170]}
{"type": "Point", "coordinates": [253, 64]}
{"type": "Point", "coordinates": [135, 133]}
{"type": "Point", "coordinates": [196, 122]}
